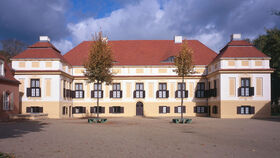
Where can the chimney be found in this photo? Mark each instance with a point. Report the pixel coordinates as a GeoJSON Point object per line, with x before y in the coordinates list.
{"type": "Point", "coordinates": [236, 37]}
{"type": "Point", "coordinates": [178, 39]}
{"type": "Point", "coordinates": [44, 39]}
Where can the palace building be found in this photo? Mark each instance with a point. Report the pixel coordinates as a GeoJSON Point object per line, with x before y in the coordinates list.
{"type": "Point", "coordinates": [232, 84]}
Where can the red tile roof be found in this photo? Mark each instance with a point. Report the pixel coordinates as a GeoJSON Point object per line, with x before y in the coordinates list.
{"type": "Point", "coordinates": [43, 50]}
{"type": "Point", "coordinates": [240, 49]}
{"type": "Point", "coordinates": [9, 76]}
{"type": "Point", "coordinates": [143, 52]}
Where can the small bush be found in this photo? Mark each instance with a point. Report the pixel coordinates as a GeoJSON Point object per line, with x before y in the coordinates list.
{"type": "Point", "coordinates": [5, 155]}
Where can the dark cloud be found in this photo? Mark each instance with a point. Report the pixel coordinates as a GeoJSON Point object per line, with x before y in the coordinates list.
{"type": "Point", "coordinates": [27, 19]}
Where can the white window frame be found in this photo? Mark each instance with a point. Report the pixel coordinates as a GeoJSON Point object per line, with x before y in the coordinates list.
{"type": "Point", "coordinates": [6, 101]}
{"type": "Point", "coordinates": [2, 68]}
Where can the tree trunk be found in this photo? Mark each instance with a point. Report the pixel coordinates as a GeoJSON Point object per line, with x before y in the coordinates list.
{"type": "Point", "coordinates": [182, 99]}
{"type": "Point", "coordinates": [97, 99]}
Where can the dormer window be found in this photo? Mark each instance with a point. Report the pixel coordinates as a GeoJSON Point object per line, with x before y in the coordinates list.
{"type": "Point", "coordinates": [169, 60]}
{"type": "Point", "coordinates": [2, 68]}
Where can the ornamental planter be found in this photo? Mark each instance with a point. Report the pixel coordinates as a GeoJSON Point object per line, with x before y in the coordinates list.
{"type": "Point", "coordinates": [182, 121]}
{"type": "Point", "coordinates": [97, 120]}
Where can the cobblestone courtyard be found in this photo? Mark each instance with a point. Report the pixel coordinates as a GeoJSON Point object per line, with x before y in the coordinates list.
{"type": "Point", "coordinates": [141, 137]}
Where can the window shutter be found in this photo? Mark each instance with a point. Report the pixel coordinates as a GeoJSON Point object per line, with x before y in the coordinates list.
{"type": "Point", "coordinates": [206, 109]}
{"type": "Point", "coordinates": [194, 109]}
{"type": "Point", "coordinates": [134, 94]}
{"type": "Point", "coordinates": [167, 94]}
{"type": "Point", "coordinates": [102, 109]}
{"type": "Point", "coordinates": [72, 94]}
{"type": "Point", "coordinates": [39, 92]}
{"type": "Point", "coordinates": [122, 109]}
{"type": "Point", "coordinates": [64, 94]}
{"type": "Point", "coordinates": [110, 109]}
{"type": "Point", "coordinates": [239, 91]}
{"type": "Point", "coordinates": [238, 110]}
{"type": "Point", "coordinates": [40, 109]}
{"type": "Point", "coordinates": [12, 101]}
{"type": "Point", "coordinates": [3, 99]}
{"type": "Point", "coordinates": [176, 94]}
{"type": "Point", "coordinates": [28, 92]}
{"type": "Point", "coordinates": [251, 91]}
{"type": "Point", "coordinates": [28, 109]}
{"type": "Point", "coordinates": [176, 109]}
{"type": "Point", "coordinates": [186, 94]}
{"type": "Point", "coordinates": [111, 94]}
{"type": "Point", "coordinates": [252, 110]}
{"type": "Point", "coordinates": [206, 93]}
{"type": "Point", "coordinates": [120, 94]}
{"type": "Point", "coordinates": [101, 94]}
{"type": "Point", "coordinates": [184, 109]}
{"type": "Point", "coordinates": [91, 109]}
{"type": "Point", "coordinates": [144, 95]}
{"type": "Point", "coordinates": [92, 94]}
{"type": "Point", "coordinates": [157, 94]}
{"type": "Point", "coordinates": [215, 92]}
{"type": "Point", "coordinates": [167, 109]}
{"type": "Point", "coordinates": [160, 109]}
{"type": "Point", "coordinates": [83, 93]}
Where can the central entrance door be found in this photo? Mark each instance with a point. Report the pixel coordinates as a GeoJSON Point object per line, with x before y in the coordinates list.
{"type": "Point", "coordinates": [139, 109]}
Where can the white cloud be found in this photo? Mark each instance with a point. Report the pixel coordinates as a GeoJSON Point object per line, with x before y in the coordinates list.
{"type": "Point", "coordinates": [210, 22]}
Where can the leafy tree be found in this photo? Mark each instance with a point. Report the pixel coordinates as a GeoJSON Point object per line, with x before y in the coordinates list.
{"type": "Point", "coordinates": [270, 45]}
{"type": "Point", "coordinates": [99, 63]}
{"type": "Point", "coordinates": [184, 66]}
{"type": "Point", "coordinates": [12, 47]}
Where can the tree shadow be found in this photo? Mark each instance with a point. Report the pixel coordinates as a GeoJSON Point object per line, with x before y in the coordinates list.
{"type": "Point", "coordinates": [268, 119]}
{"type": "Point", "coordinates": [19, 128]}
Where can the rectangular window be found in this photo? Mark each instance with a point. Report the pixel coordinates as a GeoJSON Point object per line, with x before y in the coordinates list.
{"type": "Point", "coordinates": [179, 109]}
{"type": "Point", "coordinates": [201, 109]}
{"type": "Point", "coordinates": [34, 109]}
{"type": "Point", "coordinates": [200, 90]}
{"type": "Point", "coordinates": [139, 92]}
{"type": "Point", "coordinates": [164, 109]}
{"type": "Point", "coordinates": [97, 92]}
{"type": "Point", "coordinates": [6, 101]}
{"type": "Point", "coordinates": [245, 86]}
{"type": "Point", "coordinates": [94, 109]}
{"type": "Point", "coordinates": [181, 91]}
{"type": "Point", "coordinates": [162, 92]}
{"type": "Point", "coordinates": [35, 88]}
{"type": "Point", "coordinates": [116, 109]}
{"type": "Point", "coordinates": [1, 68]}
{"type": "Point", "coordinates": [116, 92]}
{"type": "Point", "coordinates": [246, 110]}
{"type": "Point", "coordinates": [79, 92]}
{"type": "Point", "coordinates": [64, 89]}
{"type": "Point", "coordinates": [79, 110]}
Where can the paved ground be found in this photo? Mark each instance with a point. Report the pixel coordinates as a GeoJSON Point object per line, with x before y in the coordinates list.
{"type": "Point", "coordinates": [142, 137]}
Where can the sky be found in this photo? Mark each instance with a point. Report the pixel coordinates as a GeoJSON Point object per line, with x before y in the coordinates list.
{"type": "Point", "coordinates": [69, 22]}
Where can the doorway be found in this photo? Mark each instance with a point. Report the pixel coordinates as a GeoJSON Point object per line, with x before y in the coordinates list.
{"type": "Point", "coordinates": [139, 109]}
